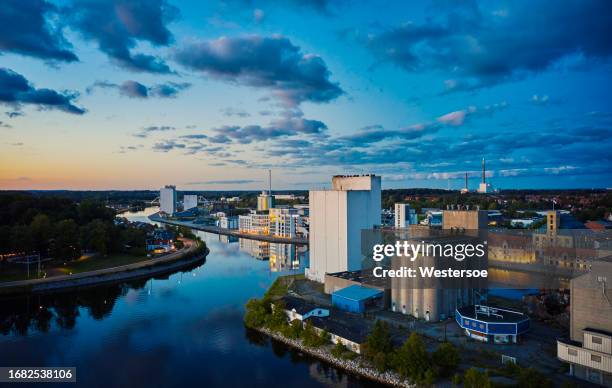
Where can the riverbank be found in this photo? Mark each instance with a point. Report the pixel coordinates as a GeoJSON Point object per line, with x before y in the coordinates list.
{"type": "Point", "coordinates": [229, 232]}
{"type": "Point", "coordinates": [354, 366]}
{"type": "Point", "coordinates": [183, 258]}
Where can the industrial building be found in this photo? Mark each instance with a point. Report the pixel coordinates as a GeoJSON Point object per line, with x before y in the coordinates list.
{"type": "Point", "coordinates": [357, 298]}
{"type": "Point", "coordinates": [190, 202]}
{"type": "Point", "coordinates": [435, 299]}
{"type": "Point", "coordinates": [265, 200]}
{"type": "Point", "coordinates": [405, 215]}
{"type": "Point", "coordinates": [589, 348]}
{"type": "Point", "coordinates": [337, 218]}
{"type": "Point", "coordinates": [167, 199]}
{"type": "Point", "coordinates": [492, 324]}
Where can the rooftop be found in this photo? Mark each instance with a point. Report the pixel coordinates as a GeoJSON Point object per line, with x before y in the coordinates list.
{"type": "Point", "coordinates": [353, 331]}
{"type": "Point", "coordinates": [300, 305]}
{"type": "Point", "coordinates": [356, 292]}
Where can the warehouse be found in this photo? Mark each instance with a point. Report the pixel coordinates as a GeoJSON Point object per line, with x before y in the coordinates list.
{"type": "Point", "coordinates": [357, 299]}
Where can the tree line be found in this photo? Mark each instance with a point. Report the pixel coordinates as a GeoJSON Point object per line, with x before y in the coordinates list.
{"type": "Point", "coordinates": [62, 228]}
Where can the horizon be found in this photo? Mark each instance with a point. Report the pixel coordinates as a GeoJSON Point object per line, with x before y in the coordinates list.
{"type": "Point", "coordinates": [212, 95]}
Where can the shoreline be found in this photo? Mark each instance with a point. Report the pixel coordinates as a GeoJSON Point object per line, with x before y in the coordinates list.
{"type": "Point", "coordinates": [145, 268]}
{"type": "Point", "coordinates": [229, 232]}
{"type": "Point", "coordinates": [388, 378]}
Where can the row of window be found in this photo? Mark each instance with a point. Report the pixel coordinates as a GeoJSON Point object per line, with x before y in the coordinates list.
{"type": "Point", "coordinates": [574, 353]}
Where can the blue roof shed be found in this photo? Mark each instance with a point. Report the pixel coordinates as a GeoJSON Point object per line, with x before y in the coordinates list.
{"type": "Point", "coordinates": [355, 298]}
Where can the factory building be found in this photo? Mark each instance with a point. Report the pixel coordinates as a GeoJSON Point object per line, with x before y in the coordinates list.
{"type": "Point", "coordinates": [492, 324]}
{"type": "Point", "coordinates": [589, 348]}
{"type": "Point", "coordinates": [167, 199]}
{"type": "Point", "coordinates": [337, 218]}
{"type": "Point", "coordinates": [190, 202]}
{"type": "Point", "coordinates": [435, 299]}
{"type": "Point", "coordinates": [405, 215]}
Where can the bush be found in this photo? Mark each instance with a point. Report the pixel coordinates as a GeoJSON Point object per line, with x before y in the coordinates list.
{"type": "Point", "coordinates": [474, 378]}
{"type": "Point", "coordinates": [338, 350]}
{"type": "Point", "coordinates": [445, 359]}
{"type": "Point", "coordinates": [278, 319]}
{"type": "Point", "coordinates": [311, 338]}
{"type": "Point", "coordinates": [293, 330]}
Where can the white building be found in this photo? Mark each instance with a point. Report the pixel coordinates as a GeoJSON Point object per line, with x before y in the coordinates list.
{"type": "Point", "coordinates": [337, 217]}
{"type": "Point", "coordinates": [230, 222]}
{"type": "Point", "coordinates": [405, 215]}
{"type": "Point", "coordinates": [190, 201]}
{"type": "Point", "coordinates": [254, 222]}
{"type": "Point", "coordinates": [265, 201]}
{"type": "Point", "coordinates": [167, 199]}
{"type": "Point", "coordinates": [284, 222]}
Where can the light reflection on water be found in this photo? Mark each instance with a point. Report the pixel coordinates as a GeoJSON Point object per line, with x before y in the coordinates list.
{"type": "Point", "coordinates": [185, 328]}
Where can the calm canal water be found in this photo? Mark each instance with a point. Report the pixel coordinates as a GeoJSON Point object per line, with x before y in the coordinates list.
{"type": "Point", "coordinates": [185, 328]}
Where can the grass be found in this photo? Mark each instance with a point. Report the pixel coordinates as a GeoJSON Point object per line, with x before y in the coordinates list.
{"type": "Point", "coordinates": [56, 268]}
{"type": "Point", "coordinates": [280, 286]}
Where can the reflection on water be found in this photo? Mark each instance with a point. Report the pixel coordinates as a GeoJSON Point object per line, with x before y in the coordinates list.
{"type": "Point", "coordinates": [180, 329]}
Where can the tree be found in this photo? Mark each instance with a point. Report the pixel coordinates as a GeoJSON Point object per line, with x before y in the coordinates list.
{"type": "Point", "coordinates": [294, 330]}
{"type": "Point", "coordinates": [311, 338]}
{"type": "Point", "coordinates": [378, 346]}
{"type": "Point", "coordinates": [446, 358]}
{"type": "Point", "coordinates": [256, 313]}
{"type": "Point", "coordinates": [41, 230]}
{"type": "Point", "coordinates": [338, 350]}
{"type": "Point", "coordinates": [66, 244]}
{"type": "Point", "coordinates": [474, 378]}
{"type": "Point", "coordinates": [278, 319]}
{"type": "Point", "coordinates": [412, 360]}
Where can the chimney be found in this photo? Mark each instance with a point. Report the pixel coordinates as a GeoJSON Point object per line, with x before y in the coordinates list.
{"type": "Point", "coordinates": [270, 182]}
{"type": "Point", "coordinates": [466, 181]}
{"type": "Point", "coordinates": [483, 171]}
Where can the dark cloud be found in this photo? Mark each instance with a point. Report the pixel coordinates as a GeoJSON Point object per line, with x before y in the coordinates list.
{"type": "Point", "coordinates": [267, 62]}
{"type": "Point", "coordinates": [195, 136]}
{"type": "Point", "coordinates": [276, 129]}
{"type": "Point", "coordinates": [167, 145]}
{"type": "Point", "coordinates": [135, 89]}
{"type": "Point", "coordinates": [119, 25]}
{"type": "Point", "coordinates": [146, 131]}
{"type": "Point", "coordinates": [25, 29]}
{"type": "Point", "coordinates": [13, 114]}
{"type": "Point", "coordinates": [15, 90]}
{"type": "Point", "coordinates": [485, 45]}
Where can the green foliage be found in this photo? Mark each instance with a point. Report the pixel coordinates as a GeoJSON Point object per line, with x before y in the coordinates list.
{"type": "Point", "coordinates": [456, 380]}
{"type": "Point", "coordinates": [412, 360]}
{"type": "Point", "coordinates": [445, 359]}
{"type": "Point", "coordinates": [311, 338]}
{"type": "Point", "coordinates": [293, 330]}
{"type": "Point", "coordinates": [474, 378]}
{"type": "Point", "coordinates": [338, 350]}
{"type": "Point", "coordinates": [278, 319]}
{"type": "Point", "coordinates": [378, 346]}
{"type": "Point", "coordinates": [256, 313]}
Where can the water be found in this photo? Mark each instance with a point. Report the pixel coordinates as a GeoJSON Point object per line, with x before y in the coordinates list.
{"type": "Point", "coordinates": [185, 328]}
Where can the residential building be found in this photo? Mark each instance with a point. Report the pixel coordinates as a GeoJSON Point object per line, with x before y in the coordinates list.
{"type": "Point", "coordinates": [405, 215]}
{"type": "Point", "coordinates": [337, 219]}
{"type": "Point", "coordinates": [297, 308]}
{"type": "Point", "coordinates": [167, 199]}
{"type": "Point", "coordinates": [190, 202]}
{"type": "Point", "coordinates": [284, 222]}
{"type": "Point", "coordinates": [228, 222]}
{"type": "Point", "coordinates": [589, 348]}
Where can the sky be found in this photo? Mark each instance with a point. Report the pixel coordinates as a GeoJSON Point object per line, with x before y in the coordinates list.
{"type": "Point", "coordinates": [137, 94]}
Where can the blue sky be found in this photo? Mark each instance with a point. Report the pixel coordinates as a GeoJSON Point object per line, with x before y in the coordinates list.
{"type": "Point", "coordinates": [136, 94]}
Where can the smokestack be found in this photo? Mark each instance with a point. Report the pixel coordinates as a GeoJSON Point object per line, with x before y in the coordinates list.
{"type": "Point", "coordinates": [270, 182]}
{"type": "Point", "coordinates": [483, 171]}
{"type": "Point", "coordinates": [466, 181]}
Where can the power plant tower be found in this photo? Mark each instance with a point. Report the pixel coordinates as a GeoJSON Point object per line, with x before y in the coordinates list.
{"type": "Point", "coordinates": [265, 200]}
{"type": "Point", "coordinates": [483, 185]}
{"type": "Point", "coordinates": [466, 188]}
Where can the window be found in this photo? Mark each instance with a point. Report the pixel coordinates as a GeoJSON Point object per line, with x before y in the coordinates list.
{"type": "Point", "coordinates": [596, 340]}
{"type": "Point", "coordinates": [572, 352]}
{"type": "Point", "coordinates": [595, 358]}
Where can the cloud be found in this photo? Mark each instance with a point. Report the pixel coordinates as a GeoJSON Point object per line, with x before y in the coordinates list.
{"type": "Point", "coordinates": [133, 89]}
{"type": "Point", "coordinates": [25, 29]}
{"type": "Point", "coordinates": [167, 145]}
{"type": "Point", "coordinates": [230, 112]}
{"type": "Point", "coordinates": [13, 114]}
{"type": "Point", "coordinates": [463, 39]}
{"type": "Point", "coordinates": [15, 90]}
{"type": "Point", "coordinates": [118, 26]}
{"type": "Point", "coordinates": [146, 131]}
{"type": "Point", "coordinates": [5, 125]}
{"type": "Point", "coordinates": [540, 100]}
{"type": "Point", "coordinates": [264, 62]}
{"type": "Point", "coordinates": [278, 128]}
